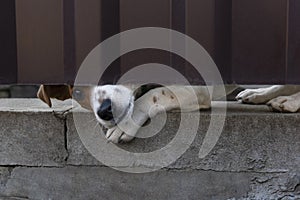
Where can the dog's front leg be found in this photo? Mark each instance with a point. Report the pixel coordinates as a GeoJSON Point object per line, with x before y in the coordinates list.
{"type": "Point", "coordinates": [185, 98]}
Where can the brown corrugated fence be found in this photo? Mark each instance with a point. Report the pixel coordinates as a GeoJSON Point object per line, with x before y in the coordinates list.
{"type": "Point", "coordinates": [251, 41]}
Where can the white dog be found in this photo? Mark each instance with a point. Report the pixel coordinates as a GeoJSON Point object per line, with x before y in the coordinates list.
{"type": "Point", "coordinates": [127, 106]}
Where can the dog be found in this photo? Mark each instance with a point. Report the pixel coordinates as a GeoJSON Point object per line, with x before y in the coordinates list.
{"type": "Point", "coordinates": [132, 105]}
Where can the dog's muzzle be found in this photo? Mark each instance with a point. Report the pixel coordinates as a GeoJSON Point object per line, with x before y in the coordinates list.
{"type": "Point", "coordinates": [106, 112]}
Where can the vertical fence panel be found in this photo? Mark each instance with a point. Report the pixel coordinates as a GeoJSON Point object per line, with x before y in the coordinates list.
{"type": "Point", "coordinates": [95, 21]}
{"type": "Point", "coordinates": [110, 25]}
{"type": "Point", "coordinates": [145, 13]}
{"type": "Point", "coordinates": [69, 40]}
{"type": "Point", "coordinates": [178, 19]}
{"type": "Point", "coordinates": [259, 41]}
{"type": "Point", "coordinates": [40, 41]}
{"type": "Point", "coordinates": [200, 25]}
{"type": "Point", "coordinates": [293, 72]}
{"type": "Point", "coordinates": [222, 38]}
{"type": "Point", "coordinates": [87, 28]}
{"type": "Point", "coordinates": [200, 16]}
{"type": "Point", "coordinates": [8, 51]}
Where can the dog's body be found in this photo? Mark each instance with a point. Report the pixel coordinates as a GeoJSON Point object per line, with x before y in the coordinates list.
{"type": "Point", "coordinates": [117, 106]}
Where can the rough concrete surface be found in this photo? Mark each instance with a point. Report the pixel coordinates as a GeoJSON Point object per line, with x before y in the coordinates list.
{"type": "Point", "coordinates": [33, 139]}
{"type": "Point", "coordinates": [42, 157]}
{"type": "Point", "coordinates": [248, 143]}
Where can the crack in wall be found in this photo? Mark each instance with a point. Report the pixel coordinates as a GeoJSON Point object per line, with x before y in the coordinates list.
{"type": "Point", "coordinates": [66, 139]}
{"type": "Point", "coordinates": [279, 183]}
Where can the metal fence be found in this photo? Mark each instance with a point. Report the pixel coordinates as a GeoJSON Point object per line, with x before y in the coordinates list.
{"type": "Point", "coordinates": [251, 41]}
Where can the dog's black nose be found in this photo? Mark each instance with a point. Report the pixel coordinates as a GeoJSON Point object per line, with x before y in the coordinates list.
{"type": "Point", "coordinates": [105, 111]}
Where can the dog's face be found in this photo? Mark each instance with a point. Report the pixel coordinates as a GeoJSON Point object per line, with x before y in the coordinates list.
{"type": "Point", "coordinates": [110, 103]}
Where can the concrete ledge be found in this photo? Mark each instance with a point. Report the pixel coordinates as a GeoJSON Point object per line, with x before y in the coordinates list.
{"type": "Point", "coordinates": [31, 135]}
{"type": "Point", "coordinates": [41, 157]}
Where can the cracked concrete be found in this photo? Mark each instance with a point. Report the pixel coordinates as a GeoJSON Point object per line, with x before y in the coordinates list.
{"type": "Point", "coordinates": [83, 182]}
{"type": "Point", "coordinates": [42, 157]}
{"type": "Point", "coordinates": [256, 143]}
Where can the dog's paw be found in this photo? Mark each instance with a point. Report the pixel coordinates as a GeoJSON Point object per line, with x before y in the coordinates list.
{"type": "Point", "coordinates": [285, 104]}
{"type": "Point", "coordinates": [254, 96]}
{"type": "Point", "coordinates": [116, 135]}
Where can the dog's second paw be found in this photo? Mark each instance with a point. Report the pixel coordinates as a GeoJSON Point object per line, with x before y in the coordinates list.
{"type": "Point", "coordinates": [116, 135]}
{"type": "Point", "coordinates": [254, 96]}
{"type": "Point", "coordinates": [285, 104]}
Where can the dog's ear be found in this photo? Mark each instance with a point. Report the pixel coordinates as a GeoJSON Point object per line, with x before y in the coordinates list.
{"type": "Point", "coordinates": [60, 92]}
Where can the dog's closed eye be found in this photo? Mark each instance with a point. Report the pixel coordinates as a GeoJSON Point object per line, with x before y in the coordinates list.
{"type": "Point", "coordinates": [78, 94]}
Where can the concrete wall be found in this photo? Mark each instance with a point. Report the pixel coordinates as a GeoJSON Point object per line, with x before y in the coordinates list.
{"type": "Point", "coordinates": [42, 157]}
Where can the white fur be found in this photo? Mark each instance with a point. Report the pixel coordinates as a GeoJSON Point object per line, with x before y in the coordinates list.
{"type": "Point", "coordinates": [156, 101]}
{"type": "Point", "coordinates": [121, 97]}
{"type": "Point", "coordinates": [187, 98]}
{"type": "Point", "coordinates": [283, 98]}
